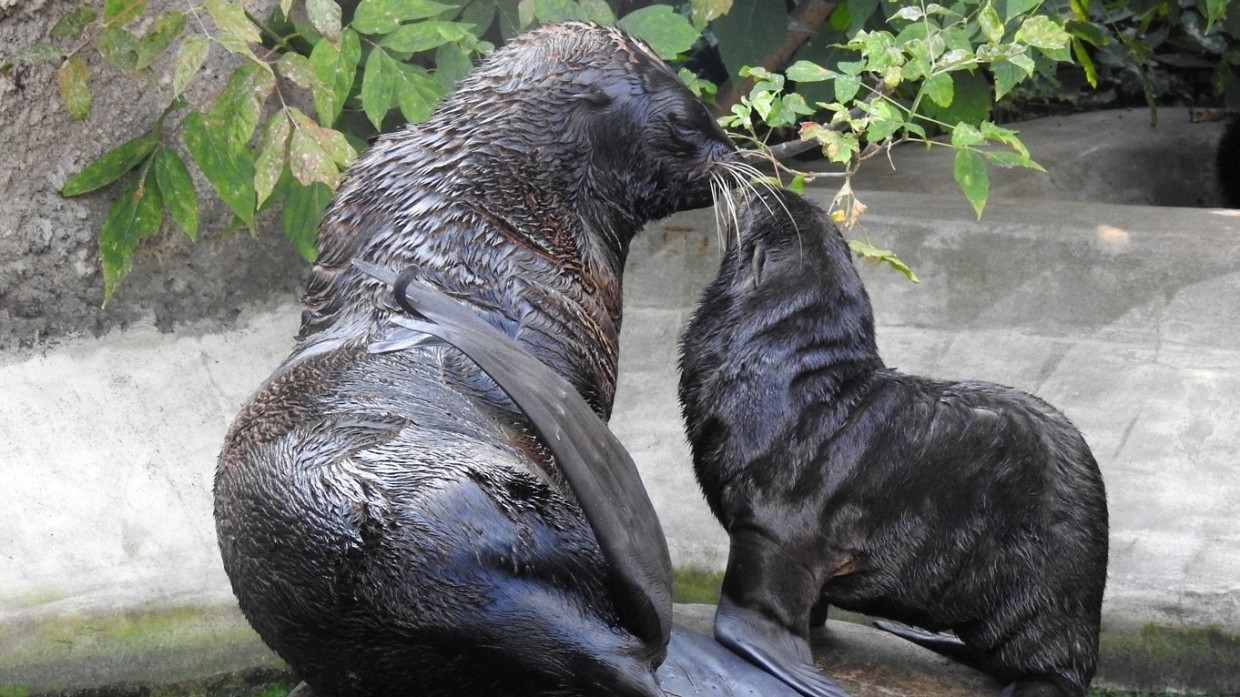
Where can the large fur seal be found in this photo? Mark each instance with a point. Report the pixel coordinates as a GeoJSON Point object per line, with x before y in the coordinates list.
{"type": "Point", "coordinates": [947, 505]}
{"type": "Point", "coordinates": [391, 522]}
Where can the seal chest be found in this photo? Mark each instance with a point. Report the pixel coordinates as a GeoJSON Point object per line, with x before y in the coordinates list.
{"type": "Point", "coordinates": [392, 523]}
{"type": "Point", "coordinates": [946, 505]}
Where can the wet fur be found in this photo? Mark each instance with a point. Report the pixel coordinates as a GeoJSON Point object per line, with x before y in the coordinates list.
{"type": "Point", "coordinates": [390, 522]}
{"type": "Point", "coordinates": [947, 505]}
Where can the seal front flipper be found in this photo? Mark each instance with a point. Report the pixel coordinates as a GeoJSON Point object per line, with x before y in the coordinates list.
{"type": "Point", "coordinates": [595, 464]}
{"type": "Point", "coordinates": [699, 665]}
{"type": "Point", "coordinates": [773, 648]}
{"type": "Point", "coordinates": [943, 643]}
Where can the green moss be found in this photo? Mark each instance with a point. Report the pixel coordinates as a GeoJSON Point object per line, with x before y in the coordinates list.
{"type": "Point", "coordinates": [1202, 660]}
{"type": "Point", "coordinates": [152, 647]}
{"type": "Point", "coordinates": [694, 585]}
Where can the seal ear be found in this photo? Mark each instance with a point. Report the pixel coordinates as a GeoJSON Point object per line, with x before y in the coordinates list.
{"type": "Point", "coordinates": [756, 263]}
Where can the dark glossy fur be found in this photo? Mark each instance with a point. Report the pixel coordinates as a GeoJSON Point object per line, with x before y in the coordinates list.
{"type": "Point", "coordinates": [390, 523]}
{"type": "Point", "coordinates": [1227, 163]}
{"type": "Point", "coordinates": [947, 505]}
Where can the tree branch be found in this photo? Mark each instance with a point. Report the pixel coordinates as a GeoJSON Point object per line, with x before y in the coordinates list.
{"type": "Point", "coordinates": [803, 21]}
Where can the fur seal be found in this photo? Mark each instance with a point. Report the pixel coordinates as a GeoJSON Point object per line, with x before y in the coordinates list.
{"type": "Point", "coordinates": [391, 522]}
{"type": "Point", "coordinates": [962, 506]}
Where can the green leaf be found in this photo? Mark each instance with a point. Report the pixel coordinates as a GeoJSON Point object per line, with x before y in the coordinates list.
{"type": "Point", "coordinates": [451, 64]}
{"type": "Point", "coordinates": [164, 30]}
{"type": "Point", "coordinates": [481, 14]}
{"type": "Point", "coordinates": [230, 173]}
{"type": "Point", "coordinates": [669, 34]}
{"type": "Point", "coordinates": [324, 16]}
{"type": "Point", "coordinates": [886, 256]}
{"type": "Point", "coordinates": [992, 26]}
{"type": "Point", "coordinates": [121, 12]}
{"type": "Point", "coordinates": [190, 58]}
{"type": "Point", "coordinates": [230, 18]}
{"type": "Point", "coordinates": [119, 47]}
{"type": "Point", "coordinates": [1042, 33]}
{"type": "Point", "coordinates": [237, 109]}
{"type": "Point", "coordinates": [805, 71]}
{"type": "Point", "coordinates": [299, 69]}
{"type": "Point", "coordinates": [336, 67]}
{"type": "Point", "coordinates": [597, 11]}
{"type": "Point", "coordinates": [971, 177]}
{"type": "Point", "coordinates": [423, 36]}
{"type": "Point", "coordinates": [966, 135]}
{"type": "Point", "coordinates": [177, 189]}
{"type": "Point", "coordinates": [136, 214]}
{"type": "Point", "coordinates": [272, 155]}
{"type": "Point", "coordinates": [301, 214]}
{"type": "Point", "coordinates": [38, 53]}
{"type": "Point", "coordinates": [73, 80]}
{"type": "Point", "coordinates": [885, 120]}
{"type": "Point", "coordinates": [110, 167]}
{"type": "Point", "coordinates": [383, 16]}
{"type": "Point", "coordinates": [73, 24]}
{"type": "Point", "coordinates": [940, 89]}
{"type": "Point", "coordinates": [416, 92]}
{"type": "Point", "coordinates": [1216, 10]}
{"type": "Point", "coordinates": [1019, 8]}
{"type": "Point", "coordinates": [1007, 158]}
{"type": "Point", "coordinates": [1087, 63]}
{"type": "Point", "coordinates": [705, 11]}
{"type": "Point", "coordinates": [557, 10]}
{"type": "Point", "coordinates": [378, 86]}
{"type": "Point", "coordinates": [846, 88]}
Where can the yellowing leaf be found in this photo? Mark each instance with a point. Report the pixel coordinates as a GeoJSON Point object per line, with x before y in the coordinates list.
{"type": "Point", "coordinates": [73, 79]}
{"type": "Point", "coordinates": [272, 154]}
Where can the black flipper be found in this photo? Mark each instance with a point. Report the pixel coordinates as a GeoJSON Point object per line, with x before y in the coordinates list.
{"type": "Point", "coordinates": [595, 464]}
{"type": "Point", "coordinates": [943, 643]}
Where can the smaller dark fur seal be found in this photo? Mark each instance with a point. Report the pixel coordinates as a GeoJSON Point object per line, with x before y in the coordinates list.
{"type": "Point", "coordinates": [962, 506]}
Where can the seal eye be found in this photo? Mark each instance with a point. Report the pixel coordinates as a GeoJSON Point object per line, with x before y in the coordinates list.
{"type": "Point", "coordinates": [683, 130]}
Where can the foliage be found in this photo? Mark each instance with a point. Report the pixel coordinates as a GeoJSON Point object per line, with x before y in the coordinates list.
{"type": "Point", "coordinates": [1154, 52]}
{"type": "Point", "coordinates": [914, 77]}
{"type": "Point", "coordinates": [365, 66]}
{"type": "Point", "coordinates": [877, 73]}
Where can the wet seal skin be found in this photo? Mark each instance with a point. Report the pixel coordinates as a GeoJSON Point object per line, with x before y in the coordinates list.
{"type": "Point", "coordinates": [962, 506]}
{"type": "Point", "coordinates": [391, 521]}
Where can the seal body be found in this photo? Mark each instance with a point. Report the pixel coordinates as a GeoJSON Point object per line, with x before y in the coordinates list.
{"type": "Point", "coordinates": [390, 522]}
{"type": "Point", "coordinates": [947, 505]}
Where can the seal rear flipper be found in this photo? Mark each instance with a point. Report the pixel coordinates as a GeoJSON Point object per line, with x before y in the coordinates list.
{"type": "Point", "coordinates": [943, 643]}
{"type": "Point", "coordinates": [595, 464]}
{"type": "Point", "coordinates": [773, 648]}
{"type": "Point", "coordinates": [699, 665]}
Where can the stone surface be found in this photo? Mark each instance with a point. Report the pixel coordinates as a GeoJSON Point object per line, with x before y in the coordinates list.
{"type": "Point", "coordinates": [1115, 156]}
